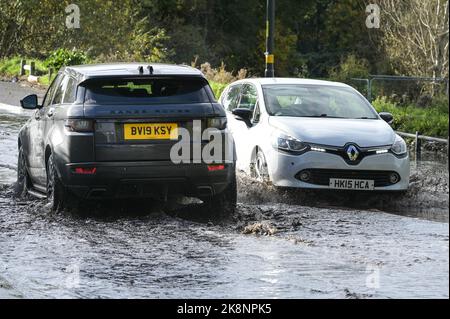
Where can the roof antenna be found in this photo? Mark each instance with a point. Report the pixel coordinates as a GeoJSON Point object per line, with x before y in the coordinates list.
{"type": "Point", "coordinates": [150, 69]}
{"type": "Point", "coordinates": [141, 70]}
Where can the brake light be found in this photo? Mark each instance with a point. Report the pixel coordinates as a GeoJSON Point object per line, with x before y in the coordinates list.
{"type": "Point", "coordinates": [213, 168]}
{"type": "Point", "coordinates": [85, 171]}
{"type": "Point", "coordinates": [78, 125]}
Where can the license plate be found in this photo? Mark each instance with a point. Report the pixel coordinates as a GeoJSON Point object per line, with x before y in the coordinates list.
{"type": "Point", "coordinates": [153, 131]}
{"type": "Point", "coordinates": [355, 184]}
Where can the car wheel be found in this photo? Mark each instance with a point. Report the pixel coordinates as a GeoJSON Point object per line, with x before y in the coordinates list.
{"type": "Point", "coordinates": [22, 175]}
{"type": "Point", "coordinates": [55, 190]}
{"type": "Point", "coordinates": [223, 204]}
{"type": "Point", "coordinates": [260, 170]}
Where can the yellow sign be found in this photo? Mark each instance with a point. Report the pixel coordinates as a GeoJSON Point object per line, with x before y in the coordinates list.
{"type": "Point", "coordinates": [270, 58]}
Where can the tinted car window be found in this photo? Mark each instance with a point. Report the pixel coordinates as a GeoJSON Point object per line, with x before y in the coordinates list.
{"type": "Point", "coordinates": [231, 98]}
{"type": "Point", "coordinates": [248, 97]}
{"type": "Point", "coordinates": [146, 91]}
{"type": "Point", "coordinates": [71, 91]}
{"type": "Point", "coordinates": [51, 91]}
{"type": "Point", "coordinates": [60, 91]}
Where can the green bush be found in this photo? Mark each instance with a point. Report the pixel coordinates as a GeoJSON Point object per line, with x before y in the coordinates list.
{"type": "Point", "coordinates": [217, 88]}
{"type": "Point", "coordinates": [64, 57]}
{"type": "Point", "coordinates": [441, 103]}
{"type": "Point", "coordinates": [430, 121]}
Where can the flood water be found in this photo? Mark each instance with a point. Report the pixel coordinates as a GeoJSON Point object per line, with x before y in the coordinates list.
{"type": "Point", "coordinates": [279, 244]}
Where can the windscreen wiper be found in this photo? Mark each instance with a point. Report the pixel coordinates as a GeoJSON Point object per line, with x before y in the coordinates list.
{"type": "Point", "coordinates": [324, 115]}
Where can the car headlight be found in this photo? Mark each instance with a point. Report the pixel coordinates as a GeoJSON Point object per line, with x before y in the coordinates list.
{"type": "Point", "coordinates": [288, 143]}
{"type": "Point", "coordinates": [399, 147]}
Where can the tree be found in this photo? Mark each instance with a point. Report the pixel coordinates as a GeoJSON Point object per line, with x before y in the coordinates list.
{"type": "Point", "coordinates": [37, 28]}
{"type": "Point", "coordinates": [13, 16]}
{"type": "Point", "coordinates": [416, 36]}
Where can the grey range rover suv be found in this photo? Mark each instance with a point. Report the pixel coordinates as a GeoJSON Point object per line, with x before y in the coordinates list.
{"type": "Point", "coordinates": [106, 131]}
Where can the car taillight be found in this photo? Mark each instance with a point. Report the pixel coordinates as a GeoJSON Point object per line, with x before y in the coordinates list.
{"type": "Point", "coordinates": [77, 125]}
{"type": "Point", "coordinates": [85, 170]}
{"type": "Point", "coordinates": [219, 123]}
{"type": "Point", "coordinates": [214, 168]}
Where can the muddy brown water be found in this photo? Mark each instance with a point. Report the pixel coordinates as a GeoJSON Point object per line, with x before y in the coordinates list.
{"type": "Point", "coordinates": [279, 244]}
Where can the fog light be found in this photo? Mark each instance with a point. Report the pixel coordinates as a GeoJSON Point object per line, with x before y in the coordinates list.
{"type": "Point", "coordinates": [394, 178]}
{"type": "Point", "coordinates": [305, 176]}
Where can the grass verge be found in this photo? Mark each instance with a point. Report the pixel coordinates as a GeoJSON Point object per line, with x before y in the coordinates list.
{"type": "Point", "coordinates": [11, 67]}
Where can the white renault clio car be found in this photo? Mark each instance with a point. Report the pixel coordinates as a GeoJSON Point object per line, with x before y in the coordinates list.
{"type": "Point", "coordinates": [314, 134]}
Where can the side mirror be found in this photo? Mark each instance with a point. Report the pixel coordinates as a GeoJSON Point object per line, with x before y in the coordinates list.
{"type": "Point", "coordinates": [242, 114]}
{"type": "Point", "coordinates": [30, 102]}
{"type": "Point", "coordinates": [387, 117]}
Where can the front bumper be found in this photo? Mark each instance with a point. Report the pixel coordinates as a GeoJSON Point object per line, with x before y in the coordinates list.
{"type": "Point", "coordinates": [145, 179]}
{"type": "Point", "coordinates": [283, 168]}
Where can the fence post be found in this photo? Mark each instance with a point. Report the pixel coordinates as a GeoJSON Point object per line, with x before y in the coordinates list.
{"type": "Point", "coordinates": [448, 150]}
{"type": "Point", "coordinates": [369, 89]}
{"type": "Point", "coordinates": [22, 67]}
{"type": "Point", "coordinates": [418, 148]}
{"type": "Point", "coordinates": [32, 68]}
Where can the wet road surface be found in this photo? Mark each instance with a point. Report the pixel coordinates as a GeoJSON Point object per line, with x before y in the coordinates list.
{"type": "Point", "coordinates": [279, 244]}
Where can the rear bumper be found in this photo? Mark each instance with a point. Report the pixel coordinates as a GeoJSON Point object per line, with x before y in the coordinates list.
{"type": "Point", "coordinates": [145, 179]}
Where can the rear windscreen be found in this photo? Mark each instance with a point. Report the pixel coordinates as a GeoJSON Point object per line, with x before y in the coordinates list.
{"type": "Point", "coordinates": [146, 91]}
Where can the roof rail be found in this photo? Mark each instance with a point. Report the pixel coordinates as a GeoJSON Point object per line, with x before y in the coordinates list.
{"type": "Point", "coordinates": [149, 68]}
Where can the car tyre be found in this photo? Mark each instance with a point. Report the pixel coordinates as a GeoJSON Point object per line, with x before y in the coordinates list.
{"type": "Point", "coordinates": [259, 168]}
{"type": "Point", "coordinates": [23, 179]}
{"type": "Point", "coordinates": [223, 204]}
{"type": "Point", "coordinates": [55, 189]}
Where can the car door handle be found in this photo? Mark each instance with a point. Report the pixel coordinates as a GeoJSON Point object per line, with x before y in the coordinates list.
{"type": "Point", "coordinates": [51, 112]}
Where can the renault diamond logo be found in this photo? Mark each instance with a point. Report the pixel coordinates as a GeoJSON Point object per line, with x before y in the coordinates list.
{"type": "Point", "coordinates": [352, 153]}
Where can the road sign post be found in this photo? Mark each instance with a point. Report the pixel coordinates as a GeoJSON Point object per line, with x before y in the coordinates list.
{"type": "Point", "coordinates": [270, 39]}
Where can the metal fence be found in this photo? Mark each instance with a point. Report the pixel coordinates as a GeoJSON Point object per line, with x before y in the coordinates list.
{"type": "Point", "coordinates": [418, 142]}
{"type": "Point", "coordinates": [405, 89]}
{"type": "Point", "coordinates": [375, 85]}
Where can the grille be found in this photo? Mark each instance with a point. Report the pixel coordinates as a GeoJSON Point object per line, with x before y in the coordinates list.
{"type": "Point", "coordinates": [322, 176]}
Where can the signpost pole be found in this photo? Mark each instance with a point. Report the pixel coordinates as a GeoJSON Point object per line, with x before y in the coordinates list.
{"type": "Point", "coordinates": [270, 39]}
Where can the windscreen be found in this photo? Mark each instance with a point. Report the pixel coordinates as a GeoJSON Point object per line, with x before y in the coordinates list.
{"type": "Point", "coordinates": [316, 101]}
{"type": "Point", "coordinates": [146, 91]}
